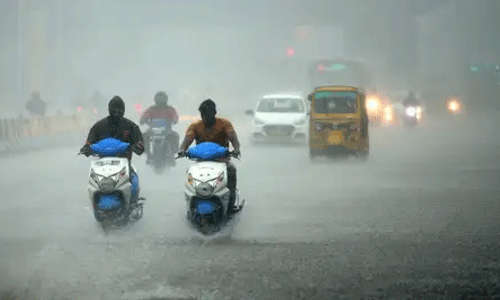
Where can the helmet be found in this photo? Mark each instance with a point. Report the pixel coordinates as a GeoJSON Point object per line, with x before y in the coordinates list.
{"type": "Point", "coordinates": [161, 98]}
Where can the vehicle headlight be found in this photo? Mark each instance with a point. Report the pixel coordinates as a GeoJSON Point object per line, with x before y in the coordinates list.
{"type": "Point", "coordinates": [300, 122]}
{"type": "Point", "coordinates": [389, 113]}
{"type": "Point", "coordinates": [372, 103]}
{"type": "Point", "coordinates": [411, 111]}
{"type": "Point", "coordinates": [453, 106]}
{"type": "Point", "coordinates": [204, 189]}
{"type": "Point", "coordinates": [258, 121]}
{"type": "Point", "coordinates": [107, 184]}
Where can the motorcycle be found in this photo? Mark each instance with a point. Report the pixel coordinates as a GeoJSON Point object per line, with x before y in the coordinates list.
{"type": "Point", "coordinates": [412, 115]}
{"type": "Point", "coordinates": [206, 191]}
{"type": "Point", "coordinates": [160, 151]}
{"type": "Point", "coordinates": [112, 188]}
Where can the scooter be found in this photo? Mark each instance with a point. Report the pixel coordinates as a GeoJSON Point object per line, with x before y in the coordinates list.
{"type": "Point", "coordinates": [113, 189]}
{"type": "Point", "coordinates": [206, 191]}
{"type": "Point", "coordinates": [160, 151]}
{"type": "Point", "coordinates": [412, 115]}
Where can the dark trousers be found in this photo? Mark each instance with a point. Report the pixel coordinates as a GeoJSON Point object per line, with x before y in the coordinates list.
{"type": "Point", "coordinates": [231, 183]}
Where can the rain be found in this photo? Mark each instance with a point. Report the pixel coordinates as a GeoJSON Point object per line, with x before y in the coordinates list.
{"type": "Point", "coordinates": [416, 219]}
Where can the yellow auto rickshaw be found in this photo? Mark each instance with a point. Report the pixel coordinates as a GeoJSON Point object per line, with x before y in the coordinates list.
{"type": "Point", "coordinates": [338, 122]}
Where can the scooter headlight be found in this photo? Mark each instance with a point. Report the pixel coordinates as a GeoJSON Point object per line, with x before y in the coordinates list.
{"type": "Point", "coordinates": [411, 111]}
{"type": "Point", "coordinates": [107, 184]}
{"type": "Point", "coordinates": [204, 189]}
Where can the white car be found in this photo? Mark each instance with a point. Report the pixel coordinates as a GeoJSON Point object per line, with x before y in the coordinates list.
{"type": "Point", "coordinates": [280, 117]}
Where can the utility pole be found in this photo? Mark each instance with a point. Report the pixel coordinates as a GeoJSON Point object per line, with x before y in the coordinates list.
{"type": "Point", "coordinates": [20, 52]}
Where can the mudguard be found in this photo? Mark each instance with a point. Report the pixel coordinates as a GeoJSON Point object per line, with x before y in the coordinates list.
{"type": "Point", "coordinates": [107, 202]}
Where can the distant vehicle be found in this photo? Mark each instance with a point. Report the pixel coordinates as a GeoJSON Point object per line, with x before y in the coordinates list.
{"type": "Point", "coordinates": [339, 72]}
{"type": "Point", "coordinates": [280, 118]}
{"type": "Point", "coordinates": [380, 109]}
{"type": "Point", "coordinates": [339, 122]}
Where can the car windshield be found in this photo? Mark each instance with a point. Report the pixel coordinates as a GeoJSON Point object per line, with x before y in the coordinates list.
{"type": "Point", "coordinates": [326, 102]}
{"type": "Point", "coordinates": [280, 105]}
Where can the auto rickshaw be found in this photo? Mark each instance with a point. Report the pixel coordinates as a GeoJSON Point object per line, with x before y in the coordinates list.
{"type": "Point", "coordinates": [338, 122]}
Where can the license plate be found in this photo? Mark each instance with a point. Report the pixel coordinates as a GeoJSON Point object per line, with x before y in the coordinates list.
{"type": "Point", "coordinates": [279, 133]}
{"type": "Point", "coordinates": [335, 138]}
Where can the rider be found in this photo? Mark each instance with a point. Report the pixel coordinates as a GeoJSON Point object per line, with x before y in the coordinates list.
{"type": "Point", "coordinates": [411, 100]}
{"type": "Point", "coordinates": [217, 130]}
{"type": "Point", "coordinates": [161, 110]}
{"type": "Point", "coordinates": [118, 127]}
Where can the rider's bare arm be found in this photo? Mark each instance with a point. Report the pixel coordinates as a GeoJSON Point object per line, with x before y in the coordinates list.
{"type": "Point", "coordinates": [233, 137]}
{"type": "Point", "coordinates": [188, 138]}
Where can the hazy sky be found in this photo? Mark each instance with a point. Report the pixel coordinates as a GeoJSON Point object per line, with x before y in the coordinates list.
{"type": "Point", "coordinates": [137, 47]}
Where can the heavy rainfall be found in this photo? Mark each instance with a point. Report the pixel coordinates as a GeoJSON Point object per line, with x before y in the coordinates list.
{"type": "Point", "coordinates": [411, 214]}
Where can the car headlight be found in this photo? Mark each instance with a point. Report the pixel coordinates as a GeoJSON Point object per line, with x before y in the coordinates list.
{"type": "Point", "coordinates": [258, 121]}
{"type": "Point", "coordinates": [300, 122]}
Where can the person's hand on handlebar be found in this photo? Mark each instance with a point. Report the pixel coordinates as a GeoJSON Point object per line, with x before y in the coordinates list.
{"type": "Point", "coordinates": [86, 150]}
{"type": "Point", "coordinates": [237, 153]}
{"type": "Point", "coordinates": [181, 153]}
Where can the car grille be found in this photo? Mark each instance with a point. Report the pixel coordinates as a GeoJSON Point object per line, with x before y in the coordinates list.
{"type": "Point", "coordinates": [279, 130]}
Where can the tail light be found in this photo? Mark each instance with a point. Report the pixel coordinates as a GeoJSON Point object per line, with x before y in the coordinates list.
{"type": "Point", "coordinates": [138, 107]}
{"type": "Point", "coordinates": [318, 126]}
{"type": "Point", "coordinates": [79, 109]}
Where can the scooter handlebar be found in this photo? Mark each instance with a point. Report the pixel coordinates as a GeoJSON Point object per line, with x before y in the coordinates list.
{"type": "Point", "coordinates": [229, 154]}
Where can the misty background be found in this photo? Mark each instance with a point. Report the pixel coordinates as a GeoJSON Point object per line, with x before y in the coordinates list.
{"type": "Point", "coordinates": [232, 51]}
